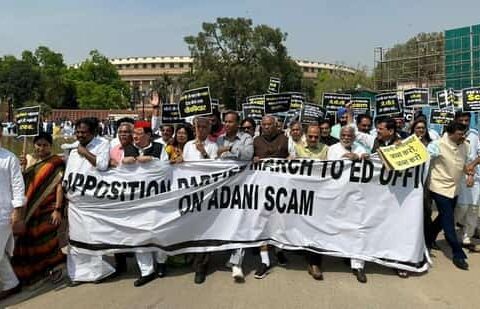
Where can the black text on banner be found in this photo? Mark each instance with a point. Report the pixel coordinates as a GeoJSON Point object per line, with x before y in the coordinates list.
{"type": "Point", "coordinates": [28, 121]}
{"type": "Point", "coordinates": [195, 102]}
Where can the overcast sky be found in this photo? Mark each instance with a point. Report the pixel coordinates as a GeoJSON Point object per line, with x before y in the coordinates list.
{"type": "Point", "coordinates": [335, 31]}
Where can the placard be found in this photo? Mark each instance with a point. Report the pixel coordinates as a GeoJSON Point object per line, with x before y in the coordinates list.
{"type": "Point", "coordinates": [195, 102]}
{"type": "Point", "coordinates": [442, 117]}
{"type": "Point", "coordinates": [274, 85]}
{"type": "Point", "coordinates": [171, 114]}
{"type": "Point", "coordinates": [253, 111]}
{"type": "Point", "coordinates": [415, 97]}
{"type": "Point", "coordinates": [28, 121]}
{"type": "Point", "coordinates": [297, 100]}
{"type": "Point", "coordinates": [258, 100]}
{"type": "Point", "coordinates": [332, 102]}
{"type": "Point", "coordinates": [409, 153]}
{"type": "Point", "coordinates": [277, 103]}
{"type": "Point", "coordinates": [312, 113]}
{"type": "Point", "coordinates": [449, 99]}
{"type": "Point", "coordinates": [387, 104]}
{"type": "Point", "coordinates": [360, 106]}
{"type": "Point", "coordinates": [471, 99]}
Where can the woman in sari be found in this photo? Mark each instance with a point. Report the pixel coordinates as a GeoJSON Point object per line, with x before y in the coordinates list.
{"type": "Point", "coordinates": [37, 249]}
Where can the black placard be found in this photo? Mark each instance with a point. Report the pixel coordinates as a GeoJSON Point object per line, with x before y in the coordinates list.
{"type": "Point", "coordinates": [415, 97]}
{"type": "Point", "coordinates": [28, 121]}
{"type": "Point", "coordinates": [361, 106]}
{"type": "Point", "coordinates": [253, 111]}
{"type": "Point", "coordinates": [332, 102]}
{"type": "Point", "coordinates": [195, 102]}
{"type": "Point", "coordinates": [387, 104]}
{"type": "Point", "coordinates": [256, 100]}
{"type": "Point", "coordinates": [471, 99]}
{"type": "Point", "coordinates": [408, 113]}
{"type": "Point", "coordinates": [274, 85]}
{"type": "Point", "coordinates": [170, 114]}
{"type": "Point", "coordinates": [446, 99]}
{"type": "Point", "coordinates": [277, 103]}
{"type": "Point", "coordinates": [297, 100]}
{"type": "Point", "coordinates": [442, 117]}
{"type": "Point", "coordinates": [312, 113]}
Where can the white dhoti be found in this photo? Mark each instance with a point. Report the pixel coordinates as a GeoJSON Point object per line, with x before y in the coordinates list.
{"type": "Point", "coordinates": [8, 279]}
{"type": "Point", "coordinates": [87, 268]}
{"type": "Point", "coordinates": [146, 261]}
{"type": "Point", "coordinates": [466, 212]}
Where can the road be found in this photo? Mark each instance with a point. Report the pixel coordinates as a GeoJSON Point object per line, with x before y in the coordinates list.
{"type": "Point", "coordinates": [443, 286]}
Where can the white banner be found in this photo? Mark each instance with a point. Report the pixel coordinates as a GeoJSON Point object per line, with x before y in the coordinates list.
{"type": "Point", "coordinates": [339, 208]}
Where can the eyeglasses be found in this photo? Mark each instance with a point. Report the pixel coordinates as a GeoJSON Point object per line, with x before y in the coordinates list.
{"type": "Point", "coordinates": [247, 128]}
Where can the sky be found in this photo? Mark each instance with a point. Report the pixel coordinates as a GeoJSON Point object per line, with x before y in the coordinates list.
{"type": "Point", "coordinates": [334, 31]}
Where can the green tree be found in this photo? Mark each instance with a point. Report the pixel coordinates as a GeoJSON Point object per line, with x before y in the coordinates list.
{"type": "Point", "coordinates": [19, 80]}
{"type": "Point", "coordinates": [98, 84]}
{"type": "Point", "coordinates": [341, 81]}
{"type": "Point", "coordinates": [236, 59]}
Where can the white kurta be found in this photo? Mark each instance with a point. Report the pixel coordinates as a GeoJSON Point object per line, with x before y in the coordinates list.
{"type": "Point", "coordinates": [190, 152]}
{"type": "Point", "coordinates": [12, 191]}
{"type": "Point", "coordinates": [337, 151]}
{"type": "Point", "coordinates": [83, 267]}
{"type": "Point", "coordinates": [471, 196]}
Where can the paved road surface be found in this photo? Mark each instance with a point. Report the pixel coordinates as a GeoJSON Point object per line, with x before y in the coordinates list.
{"type": "Point", "coordinates": [442, 287]}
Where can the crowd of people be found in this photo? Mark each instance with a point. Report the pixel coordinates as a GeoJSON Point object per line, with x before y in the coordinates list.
{"type": "Point", "coordinates": [33, 205]}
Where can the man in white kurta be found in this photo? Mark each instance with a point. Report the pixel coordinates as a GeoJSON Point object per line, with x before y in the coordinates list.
{"type": "Point", "coordinates": [348, 149]}
{"type": "Point", "coordinates": [91, 153]}
{"type": "Point", "coordinates": [201, 148]}
{"type": "Point", "coordinates": [12, 191]}
{"type": "Point", "coordinates": [466, 212]}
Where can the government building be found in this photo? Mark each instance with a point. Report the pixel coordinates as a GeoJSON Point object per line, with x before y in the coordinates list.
{"type": "Point", "coordinates": [142, 71]}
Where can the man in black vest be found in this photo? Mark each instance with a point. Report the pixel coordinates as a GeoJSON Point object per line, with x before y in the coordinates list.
{"type": "Point", "coordinates": [141, 151]}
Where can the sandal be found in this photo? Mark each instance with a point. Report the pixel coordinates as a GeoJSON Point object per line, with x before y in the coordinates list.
{"type": "Point", "coordinates": [402, 273]}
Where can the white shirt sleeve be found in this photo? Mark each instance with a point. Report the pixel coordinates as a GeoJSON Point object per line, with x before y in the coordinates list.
{"type": "Point", "coordinates": [18, 186]}
{"type": "Point", "coordinates": [212, 151]}
{"type": "Point", "coordinates": [103, 156]}
{"type": "Point", "coordinates": [163, 154]}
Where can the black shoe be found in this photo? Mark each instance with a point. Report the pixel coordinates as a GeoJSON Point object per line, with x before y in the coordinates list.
{"type": "Point", "coordinates": [200, 277]}
{"type": "Point", "coordinates": [72, 284]}
{"type": "Point", "coordinates": [360, 274]}
{"type": "Point", "coordinates": [262, 271]}
{"type": "Point", "coordinates": [281, 259]}
{"type": "Point", "coordinates": [109, 277]}
{"type": "Point", "coordinates": [10, 292]}
{"type": "Point", "coordinates": [435, 246]}
{"type": "Point", "coordinates": [161, 270]}
{"type": "Point", "coordinates": [144, 280]}
{"type": "Point", "coordinates": [460, 263]}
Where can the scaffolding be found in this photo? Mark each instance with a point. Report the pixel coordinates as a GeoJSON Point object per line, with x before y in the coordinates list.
{"type": "Point", "coordinates": [444, 60]}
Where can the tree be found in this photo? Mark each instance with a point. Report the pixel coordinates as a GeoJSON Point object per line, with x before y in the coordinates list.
{"type": "Point", "coordinates": [419, 61]}
{"type": "Point", "coordinates": [236, 59]}
{"type": "Point", "coordinates": [341, 81]}
{"type": "Point", "coordinates": [98, 84]}
{"type": "Point", "coordinates": [19, 80]}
